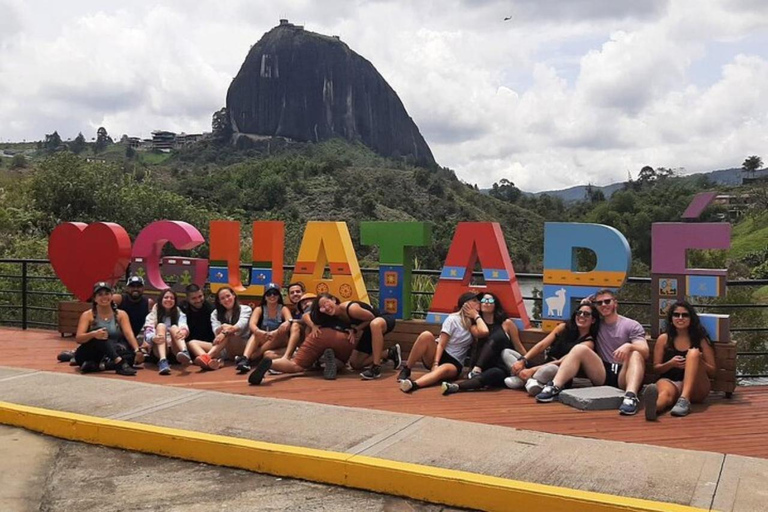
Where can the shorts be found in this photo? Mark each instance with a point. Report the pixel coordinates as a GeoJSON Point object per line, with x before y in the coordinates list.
{"type": "Point", "coordinates": [612, 371]}
{"type": "Point", "coordinates": [312, 348]}
{"type": "Point", "coordinates": [365, 343]}
{"type": "Point", "coordinates": [447, 358]}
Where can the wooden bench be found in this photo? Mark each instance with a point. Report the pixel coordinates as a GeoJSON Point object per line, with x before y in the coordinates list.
{"type": "Point", "coordinates": [406, 332]}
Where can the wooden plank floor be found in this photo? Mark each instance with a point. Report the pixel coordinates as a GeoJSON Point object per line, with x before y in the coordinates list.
{"type": "Point", "coordinates": [736, 426]}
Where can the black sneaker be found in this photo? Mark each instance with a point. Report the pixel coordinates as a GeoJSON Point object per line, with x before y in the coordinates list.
{"type": "Point", "coordinates": [549, 393]}
{"type": "Point", "coordinates": [257, 375]}
{"type": "Point", "coordinates": [374, 372]}
{"type": "Point", "coordinates": [243, 366]}
{"type": "Point", "coordinates": [329, 362]}
{"type": "Point", "coordinates": [395, 355]}
{"type": "Point", "coordinates": [628, 406]}
{"type": "Point", "coordinates": [125, 369]}
{"type": "Point", "coordinates": [408, 386]}
{"type": "Point", "coordinates": [65, 356]}
{"type": "Point", "coordinates": [405, 372]}
{"type": "Point", "coordinates": [89, 367]}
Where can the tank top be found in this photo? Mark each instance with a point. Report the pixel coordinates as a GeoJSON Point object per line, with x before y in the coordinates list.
{"type": "Point", "coordinates": [365, 306]}
{"type": "Point", "coordinates": [137, 311]}
{"type": "Point", "coordinates": [673, 374]}
{"type": "Point", "coordinates": [270, 324]}
{"type": "Point", "coordinates": [562, 346]}
{"type": "Point", "coordinates": [113, 328]}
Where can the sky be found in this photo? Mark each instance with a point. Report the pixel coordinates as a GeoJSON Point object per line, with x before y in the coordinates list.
{"type": "Point", "coordinates": [565, 92]}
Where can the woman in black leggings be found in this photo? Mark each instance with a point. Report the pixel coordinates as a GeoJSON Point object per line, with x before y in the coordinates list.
{"type": "Point", "coordinates": [491, 369]}
{"type": "Point", "coordinates": [105, 336]}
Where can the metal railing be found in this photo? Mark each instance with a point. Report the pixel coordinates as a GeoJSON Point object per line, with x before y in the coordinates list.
{"type": "Point", "coordinates": [38, 291]}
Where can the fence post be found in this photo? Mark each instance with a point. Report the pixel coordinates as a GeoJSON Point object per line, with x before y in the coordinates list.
{"type": "Point", "coordinates": [23, 294]}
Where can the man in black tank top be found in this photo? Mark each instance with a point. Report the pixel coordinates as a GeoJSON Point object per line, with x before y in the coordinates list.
{"type": "Point", "coordinates": [135, 304]}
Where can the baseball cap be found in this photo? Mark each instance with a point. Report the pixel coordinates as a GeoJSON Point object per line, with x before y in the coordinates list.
{"type": "Point", "coordinates": [101, 285]}
{"type": "Point", "coordinates": [135, 281]}
{"type": "Point", "coordinates": [270, 287]}
{"type": "Point", "coordinates": [468, 296]}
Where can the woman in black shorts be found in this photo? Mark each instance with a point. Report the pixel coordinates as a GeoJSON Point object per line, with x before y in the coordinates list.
{"type": "Point", "coordinates": [366, 327]}
{"type": "Point", "coordinates": [492, 367]}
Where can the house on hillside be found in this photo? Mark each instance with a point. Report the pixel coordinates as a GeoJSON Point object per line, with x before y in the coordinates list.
{"type": "Point", "coordinates": [163, 141]}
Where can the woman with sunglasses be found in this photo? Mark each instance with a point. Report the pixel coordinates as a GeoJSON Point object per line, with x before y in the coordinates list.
{"type": "Point", "coordinates": [685, 359]}
{"type": "Point", "coordinates": [265, 325]}
{"type": "Point", "coordinates": [492, 361]}
{"type": "Point", "coordinates": [580, 329]}
{"type": "Point", "coordinates": [229, 322]}
{"type": "Point", "coordinates": [443, 356]}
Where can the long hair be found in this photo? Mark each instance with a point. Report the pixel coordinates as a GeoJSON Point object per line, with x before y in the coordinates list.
{"type": "Point", "coordinates": [499, 315]}
{"type": "Point", "coordinates": [696, 331]}
{"type": "Point", "coordinates": [173, 313]}
{"type": "Point", "coordinates": [317, 316]}
{"type": "Point", "coordinates": [572, 329]}
{"type": "Point", "coordinates": [221, 311]}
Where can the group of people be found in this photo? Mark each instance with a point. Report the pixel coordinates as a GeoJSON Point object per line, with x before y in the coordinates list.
{"type": "Point", "coordinates": [322, 333]}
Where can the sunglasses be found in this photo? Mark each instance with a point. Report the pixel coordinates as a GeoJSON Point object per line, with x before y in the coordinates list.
{"type": "Point", "coordinates": [584, 313]}
{"type": "Point", "coordinates": [603, 302]}
{"type": "Point", "coordinates": [681, 315]}
{"type": "Point", "coordinates": [272, 294]}
{"type": "Point", "coordinates": [487, 300]}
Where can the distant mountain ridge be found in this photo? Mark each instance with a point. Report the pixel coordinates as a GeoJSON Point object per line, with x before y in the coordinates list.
{"type": "Point", "coordinates": [729, 177]}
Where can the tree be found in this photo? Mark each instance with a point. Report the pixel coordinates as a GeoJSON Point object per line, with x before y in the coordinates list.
{"type": "Point", "coordinates": [647, 176]}
{"type": "Point", "coordinates": [19, 161]}
{"type": "Point", "coordinates": [506, 191]}
{"type": "Point", "coordinates": [751, 164]}
{"type": "Point", "coordinates": [221, 126]}
{"type": "Point", "coordinates": [102, 140]}
{"type": "Point", "coordinates": [593, 194]}
{"type": "Point", "coordinates": [78, 145]}
{"type": "Point", "coordinates": [52, 142]}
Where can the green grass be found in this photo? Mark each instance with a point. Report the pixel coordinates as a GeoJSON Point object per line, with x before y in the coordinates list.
{"type": "Point", "coordinates": [153, 158]}
{"type": "Point", "coordinates": [751, 234]}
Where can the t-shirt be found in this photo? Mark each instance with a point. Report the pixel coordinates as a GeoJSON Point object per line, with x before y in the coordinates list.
{"type": "Point", "coordinates": [199, 321]}
{"type": "Point", "coordinates": [460, 340]}
{"type": "Point", "coordinates": [612, 336]}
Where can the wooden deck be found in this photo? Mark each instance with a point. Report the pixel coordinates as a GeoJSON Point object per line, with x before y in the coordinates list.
{"type": "Point", "coordinates": [735, 426]}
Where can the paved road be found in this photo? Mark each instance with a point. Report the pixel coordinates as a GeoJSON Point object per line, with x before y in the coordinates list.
{"type": "Point", "coordinates": [40, 473]}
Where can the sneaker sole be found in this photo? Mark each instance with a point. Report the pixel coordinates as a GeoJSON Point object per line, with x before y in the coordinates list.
{"type": "Point", "coordinates": [399, 353]}
{"type": "Point", "coordinates": [165, 372]}
{"type": "Point", "coordinates": [406, 386]}
{"type": "Point", "coordinates": [183, 359]}
{"type": "Point", "coordinates": [257, 375]}
{"type": "Point", "coordinates": [329, 370]}
{"type": "Point", "coordinates": [545, 400]}
{"type": "Point", "coordinates": [370, 377]}
{"type": "Point", "coordinates": [650, 396]}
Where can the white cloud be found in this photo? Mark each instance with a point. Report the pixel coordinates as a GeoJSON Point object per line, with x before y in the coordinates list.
{"type": "Point", "coordinates": [566, 92]}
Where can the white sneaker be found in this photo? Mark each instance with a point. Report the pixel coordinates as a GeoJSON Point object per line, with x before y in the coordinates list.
{"type": "Point", "coordinates": [514, 382]}
{"type": "Point", "coordinates": [533, 387]}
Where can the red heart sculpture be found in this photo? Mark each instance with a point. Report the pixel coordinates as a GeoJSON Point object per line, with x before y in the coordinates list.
{"type": "Point", "coordinates": [83, 254]}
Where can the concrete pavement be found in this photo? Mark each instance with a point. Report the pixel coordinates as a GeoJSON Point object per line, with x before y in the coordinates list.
{"type": "Point", "coordinates": [697, 479]}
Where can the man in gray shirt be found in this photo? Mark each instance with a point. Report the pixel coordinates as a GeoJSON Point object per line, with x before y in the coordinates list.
{"type": "Point", "coordinates": [619, 360]}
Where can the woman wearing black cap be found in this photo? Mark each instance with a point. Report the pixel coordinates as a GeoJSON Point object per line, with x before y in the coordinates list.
{"type": "Point", "coordinates": [443, 356]}
{"type": "Point", "coordinates": [105, 336]}
{"type": "Point", "coordinates": [265, 324]}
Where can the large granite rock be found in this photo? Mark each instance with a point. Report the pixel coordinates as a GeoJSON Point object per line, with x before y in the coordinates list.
{"type": "Point", "coordinates": [310, 87]}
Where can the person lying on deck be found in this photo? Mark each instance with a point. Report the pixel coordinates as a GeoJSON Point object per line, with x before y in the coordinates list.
{"type": "Point", "coordinates": [580, 329]}
{"type": "Point", "coordinates": [685, 358]}
{"type": "Point", "coordinates": [443, 355]}
{"type": "Point", "coordinates": [366, 326]}
{"type": "Point", "coordinates": [165, 328]}
{"type": "Point", "coordinates": [492, 369]}
{"type": "Point", "coordinates": [105, 337]}
{"type": "Point", "coordinates": [229, 322]}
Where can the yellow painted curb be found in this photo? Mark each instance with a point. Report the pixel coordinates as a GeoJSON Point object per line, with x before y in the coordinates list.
{"type": "Point", "coordinates": [436, 485]}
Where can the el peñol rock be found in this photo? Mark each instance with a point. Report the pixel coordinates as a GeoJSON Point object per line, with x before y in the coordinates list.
{"type": "Point", "coordinates": [310, 87]}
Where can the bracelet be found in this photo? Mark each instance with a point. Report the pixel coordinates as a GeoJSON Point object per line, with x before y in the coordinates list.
{"type": "Point", "coordinates": [474, 321]}
{"type": "Point", "coordinates": [526, 362]}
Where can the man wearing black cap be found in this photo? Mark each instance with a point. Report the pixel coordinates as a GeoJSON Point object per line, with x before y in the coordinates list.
{"type": "Point", "coordinates": [136, 304]}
